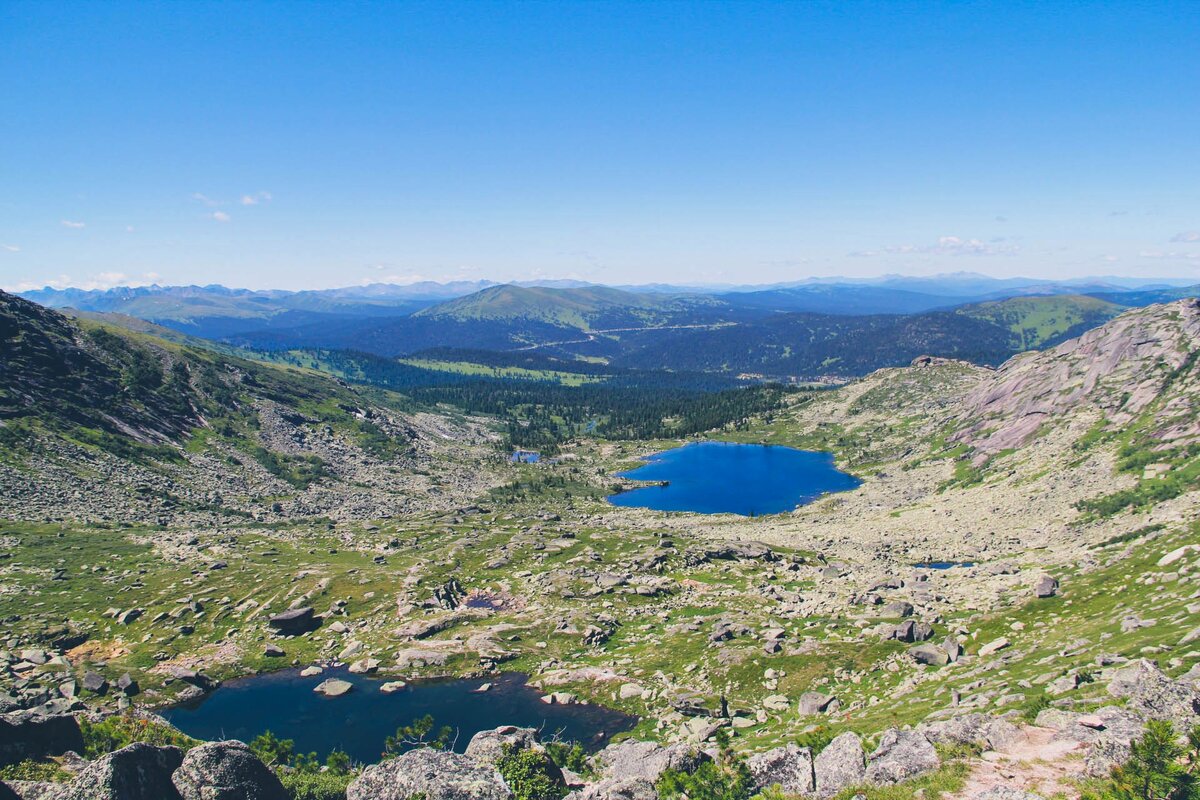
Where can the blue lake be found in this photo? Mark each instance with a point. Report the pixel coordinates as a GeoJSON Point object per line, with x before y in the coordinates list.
{"type": "Point", "coordinates": [728, 478]}
{"type": "Point", "coordinates": [358, 722]}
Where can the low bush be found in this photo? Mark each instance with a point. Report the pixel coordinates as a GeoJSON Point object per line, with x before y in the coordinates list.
{"type": "Point", "coordinates": [113, 733]}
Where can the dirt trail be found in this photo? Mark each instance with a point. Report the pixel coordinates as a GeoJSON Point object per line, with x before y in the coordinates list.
{"type": "Point", "coordinates": [1037, 763]}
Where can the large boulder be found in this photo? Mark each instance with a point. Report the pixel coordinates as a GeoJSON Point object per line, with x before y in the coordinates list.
{"type": "Point", "coordinates": [901, 755]}
{"type": "Point", "coordinates": [817, 703]}
{"type": "Point", "coordinates": [489, 746]}
{"type": "Point", "coordinates": [1151, 694]}
{"type": "Point", "coordinates": [431, 774]}
{"type": "Point", "coordinates": [617, 789]}
{"type": "Point", "coordinates": [226, 771]}
{"type": "Point", "coordinates": [842, 763]}
{"type": "Point", "coordinates": [631, 759]}
{"type": "Point", "coordinates": [1047, 586]}
{"type": "Point", "coordinates": [137, 772]}
{"type": "Point", "coordinates": [992, 732]}
{"type": "Point", "coordinates": [27, 734]}
{"type": "Point", "coordinates": [294, 621]}
{"type": "Point", "coordinates": [789, 767]}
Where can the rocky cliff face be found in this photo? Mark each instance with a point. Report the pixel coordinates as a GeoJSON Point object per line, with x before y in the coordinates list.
{"type": "Point", "coordinates": [1141, 361]}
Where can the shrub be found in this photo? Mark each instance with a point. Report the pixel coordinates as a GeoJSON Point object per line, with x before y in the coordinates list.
{"type": "Point", "coordinates": [1159, 768]}
{"type": "Point", "coordinates": [727, 778]}
{"type": "Point", "coordinates": [530, 774]}
{"type": "Point", "coordinates": [329, 785]}
{"type": "Point", "coordinates": [815, 740]}
{"type": "Point", "coordinates": [113, 733]}
{"type": "Point", "coordinates": [1034, 706]}
{"type": "Point", "coordinates": [569, 755]}
{"type": "Point", "coordinates": [29, 770]}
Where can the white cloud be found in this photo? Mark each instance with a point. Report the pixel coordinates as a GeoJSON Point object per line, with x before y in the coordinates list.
{"type": "Point", "coordinates": [255, 199]}
{"type": "Point", "coordinates": [1186, 236]}
{"type": "Point", "coordinates": [71, 224]}
{"type": "Point", "coordinates": [12, 248]}
{"type": "Point", "coordinates": [205, 199]}
{"type": "Point", "coordinates": [1171, 255]}
{"type": "Point", "coordinates": [221, 216]}
{"type": "Point", "coordinates": [99, 281]}
{"type": "Point", "coordinates": [946, 246]}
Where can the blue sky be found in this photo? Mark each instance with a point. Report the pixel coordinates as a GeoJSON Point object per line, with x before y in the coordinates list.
{"type": "Point", "coordinates": [305, 145]}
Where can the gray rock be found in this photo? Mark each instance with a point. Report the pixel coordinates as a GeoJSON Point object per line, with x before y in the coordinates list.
{"type": "Point", "coordinates": [617, 789]}
{"type": "Point", "coordinates": [912, 631]}
{"type": "Point", "coordinates": [127, 686]}
{"type": "Point", "coordinates": [929, 654]}
{"type": "Point", "coordinates": [789, 767]}
{"type": "Point", "coordinates": [1005, 793]}
{"type": "Point", "coordinates": [333, 687]}
{"type": "Point", "coordinates": [226, 771]}
{"type": "Point", "coordinates": [95, 682]}
{"type": "Point", "coordinates": [27, 734]}
{"type": "Point", "coordinates": [841, 764]}
{"type": "Point", "coordinates": [815, 703]}
{"type": "Point", "coordinates": [901, 755]}
{"type": "Point", "coordinates": [137, 772]}
{"type": "Point", "coordinates": [1047, 586]}
{"type": "Point", "coordinates": [294, 621]}
{"type": "Point", "coordinates": [433, 774]}
{"type": "Point", "coordinates": [1153, 695]}
{"type": "Point", "coordinates": [488, 746]}
{"type": "Point", "coordinates": [631, 759]}
{"type": "Point", "coordinates": [29, 790]}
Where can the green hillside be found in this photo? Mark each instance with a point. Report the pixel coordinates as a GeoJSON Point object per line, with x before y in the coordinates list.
{"type": "Point", "coordinates": [1036, 322]}
{"type": "Point", "coordinates": [583, 308]}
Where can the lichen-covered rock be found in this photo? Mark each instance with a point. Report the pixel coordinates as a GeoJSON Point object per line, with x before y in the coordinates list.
{"type": "Point", "coordinates": [901, 755]}
{"type": "Point", "coordinates": [137, 772]}
{"type": "Point", "coordinates": [647, 759]}
{"type": "Point", "coordinates": [432, 774]}
{"type": "Point", "coordinates": [27, 734]}
{"type": "Point", "coordinates": [842, 763]}
{"type": "Point", "coordinates": [617, 789]}
{"type": "Point", "coordinates": [789, 767]}
{"type": "Point", "coordinates": [226, 771]}
{"type": "Point", "coordinates": [488, 746]}
{"type": "Point", "coordinates": [1151, 694]}
{"type": "Point", "coordinates": [1005, 793]}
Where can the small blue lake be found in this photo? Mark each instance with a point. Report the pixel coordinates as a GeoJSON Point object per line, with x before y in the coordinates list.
{"type": "Point", "coordinates": [729, 478]}
{"type": "Point", "coordinates": [358, 722]}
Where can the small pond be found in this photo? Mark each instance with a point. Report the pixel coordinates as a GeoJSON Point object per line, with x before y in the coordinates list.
{"type": "Point", "coordinates": [359, 721]}
{"type": "Point", "coordinates": [729, 478]}
{"type": "Point", "coordinates": [525, 457]}
{"type": "Point", "coordinates": [943, 564]}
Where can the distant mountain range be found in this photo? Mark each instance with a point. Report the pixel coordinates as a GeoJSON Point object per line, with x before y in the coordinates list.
{"type": "Point", "coordinates": [801, 331]}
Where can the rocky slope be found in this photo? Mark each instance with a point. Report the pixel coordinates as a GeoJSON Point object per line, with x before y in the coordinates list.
{"type": "Point", "coordinates": [101, 423]}
{"type": "Point", "coordinates": [1144, 360]}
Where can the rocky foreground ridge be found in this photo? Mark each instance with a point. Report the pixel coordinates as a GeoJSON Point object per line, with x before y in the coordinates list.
{"type": "Point", "coordinates": [1017, 759]}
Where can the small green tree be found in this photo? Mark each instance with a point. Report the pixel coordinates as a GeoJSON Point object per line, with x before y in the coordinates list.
{"type": "Point", "coordinates": [419, 733]}
{"type": "Point", "coordinates": [1159, 768]}
{"type": "Point", "coordinates": [273, 751]}
{"type": "Point", "coordinates": [727, 778]}
{"type": "Point", "coordinates": [530, 774]}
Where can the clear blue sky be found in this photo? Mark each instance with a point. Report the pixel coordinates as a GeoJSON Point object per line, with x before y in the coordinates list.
{"type": "Point", "coordinates": [319, 144]}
